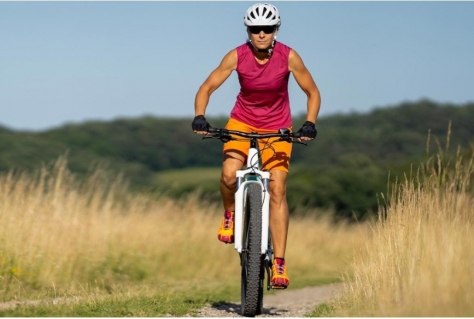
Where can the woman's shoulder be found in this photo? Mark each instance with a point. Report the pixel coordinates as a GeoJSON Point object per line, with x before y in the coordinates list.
{"type": "Point", "coordinates": [243, 51]}
{"type": "Point", "coordinates": [282, 48]}
{"type": "Point", "coordinates": [243, 48]}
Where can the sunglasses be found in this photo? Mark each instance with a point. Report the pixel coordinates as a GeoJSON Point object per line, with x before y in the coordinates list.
{"type": "Point", "coordinates": [267, 29]}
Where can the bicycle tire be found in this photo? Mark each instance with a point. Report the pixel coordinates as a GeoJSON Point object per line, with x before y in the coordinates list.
{"type": "Point", "coordinates": [252, 275]}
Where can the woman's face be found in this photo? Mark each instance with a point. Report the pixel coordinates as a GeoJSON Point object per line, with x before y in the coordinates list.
{"type": "Point", "coordinates": [261, 36]}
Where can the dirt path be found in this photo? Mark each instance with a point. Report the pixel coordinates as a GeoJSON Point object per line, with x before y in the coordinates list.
{"type": "Point", "coordinates": [286, 303]}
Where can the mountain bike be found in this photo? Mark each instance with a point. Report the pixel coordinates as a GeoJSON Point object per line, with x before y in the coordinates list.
{"type": "Point", "coordinates": [252, 237]}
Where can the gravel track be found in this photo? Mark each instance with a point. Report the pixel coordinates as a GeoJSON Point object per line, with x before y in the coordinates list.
{"type": "Point", "coordinates": [285, 303]}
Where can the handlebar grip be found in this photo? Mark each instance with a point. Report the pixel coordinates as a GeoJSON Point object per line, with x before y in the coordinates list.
{"type": "Point", "coordinates": [296, 134]}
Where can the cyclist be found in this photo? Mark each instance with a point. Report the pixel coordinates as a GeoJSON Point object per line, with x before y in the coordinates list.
{"type": "Point", "coordinates": [263, 66]}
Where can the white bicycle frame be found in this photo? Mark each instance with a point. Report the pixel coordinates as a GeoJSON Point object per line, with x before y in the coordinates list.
{"type": "Point", "coordinates": [253, 166]}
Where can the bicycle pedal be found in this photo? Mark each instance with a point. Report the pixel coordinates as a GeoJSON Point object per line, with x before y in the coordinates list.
{"type": "Point", "coordinates": [279, 287]}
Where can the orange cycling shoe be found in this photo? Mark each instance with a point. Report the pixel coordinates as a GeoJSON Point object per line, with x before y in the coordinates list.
{"type": "Point", "coordinates": [226, 231]}
{"type": "Point", "coordinates": [279, 278]}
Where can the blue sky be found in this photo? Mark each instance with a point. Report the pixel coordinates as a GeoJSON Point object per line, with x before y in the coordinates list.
{"type": "Point", "coordinates": [63, 62]}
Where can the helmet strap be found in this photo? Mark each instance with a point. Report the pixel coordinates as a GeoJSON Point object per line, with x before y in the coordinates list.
{"type": "Point", "coordinates": [270, 49]}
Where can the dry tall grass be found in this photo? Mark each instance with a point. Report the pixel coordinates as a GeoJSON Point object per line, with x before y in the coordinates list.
{"type": "Point", "coordinates": [420, 261]}
{"type": "Point", "coordinates": [62, 235]}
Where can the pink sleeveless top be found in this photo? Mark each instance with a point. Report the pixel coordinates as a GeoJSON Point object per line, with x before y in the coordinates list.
{"type": "Point", "coordinates": [263, 100]}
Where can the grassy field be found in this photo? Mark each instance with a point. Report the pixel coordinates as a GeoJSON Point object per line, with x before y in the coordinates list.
{"type": "Point", "coordinates": [420, 261]}
{"type": "Point", "coordinates": [105, 251]}
{"type": "Point", "coordinates": [102, 250]}
{"type": "Point", "coordinates": [194, 180]}
{"type": "Point", "coordinates": [190, 176]}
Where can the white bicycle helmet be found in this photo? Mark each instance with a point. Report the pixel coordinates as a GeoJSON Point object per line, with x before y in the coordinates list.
{"type": "Point", "coordinates": [262, 14]}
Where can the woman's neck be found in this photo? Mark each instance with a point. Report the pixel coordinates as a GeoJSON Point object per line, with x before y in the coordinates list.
{"type": "Point", "coordinates": [260, 55]}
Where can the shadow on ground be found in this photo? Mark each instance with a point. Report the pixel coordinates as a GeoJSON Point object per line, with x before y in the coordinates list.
{"type": "Point", "coordinates": [234, 309]}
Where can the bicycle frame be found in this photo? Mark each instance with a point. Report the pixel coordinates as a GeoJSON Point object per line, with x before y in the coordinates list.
{"type": "Point", "coordinates": [252, 174]}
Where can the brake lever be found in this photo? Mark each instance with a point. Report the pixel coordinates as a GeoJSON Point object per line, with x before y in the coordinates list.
{"type": "Point", "coordinates": [302, 143]}
{"type": "Point", "coordinates": [223, 137]}
{"type": "Point", "coordinates": [296, 136]}
{"type": "Point", "coordinates": [209, 136]}
{"type": "Point", "coordinates": [291, 139]}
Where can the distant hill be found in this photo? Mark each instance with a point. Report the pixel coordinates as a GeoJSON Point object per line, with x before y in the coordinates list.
{"type": "Point", "coordinates": [383, 139]}
{"type": "Point", "coordinates": [394, 133]}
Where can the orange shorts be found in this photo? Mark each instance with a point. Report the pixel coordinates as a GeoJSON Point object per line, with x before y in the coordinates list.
{"type": "Point", "coordinates": [274, 155]}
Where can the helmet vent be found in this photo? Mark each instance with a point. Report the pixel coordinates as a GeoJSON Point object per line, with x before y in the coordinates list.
{"type": "Point", "coordinates": [262, 14]}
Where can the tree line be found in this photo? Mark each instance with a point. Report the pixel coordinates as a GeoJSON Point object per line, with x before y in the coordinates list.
{"type": "Point", "coordinates": [344, 168]}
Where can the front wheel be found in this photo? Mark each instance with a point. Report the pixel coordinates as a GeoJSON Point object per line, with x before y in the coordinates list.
{"type": "Point", "coordinates": [252, 258]}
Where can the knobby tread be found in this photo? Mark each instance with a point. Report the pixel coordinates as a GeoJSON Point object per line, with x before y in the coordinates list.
{"type": "Point", "coordinates": [253, 281]}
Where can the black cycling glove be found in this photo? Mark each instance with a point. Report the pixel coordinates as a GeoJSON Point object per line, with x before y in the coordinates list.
{"type": "Point", "coordinates": [200, 124]}
{"type": "Point", "coordinates": [308, 130]}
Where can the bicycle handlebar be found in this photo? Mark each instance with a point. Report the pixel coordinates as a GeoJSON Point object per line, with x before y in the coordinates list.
{"type": "Point", "coordinates": [225, 135]}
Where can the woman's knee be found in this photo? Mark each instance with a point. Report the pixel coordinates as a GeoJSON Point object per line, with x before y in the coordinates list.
{"type": "Point", "coordinates": [278, 184]}
{"type": "Point", "coordinates": [228, 177]}
{"type": "Point", "coordinates": [230, 166]}
{"type": "Point", "coordinates": [278, 191]}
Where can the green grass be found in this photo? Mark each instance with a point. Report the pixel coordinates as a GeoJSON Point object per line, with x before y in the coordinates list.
{"type": "Point", "coordinates": [322, 310]}
{"type": "Point", "coordinates": [147, 301]}
{"type": "Point", "coordinates": [195, 175]}
{"type": "Point", "coordinates": [189, 176]}
{"type": "Point", "coordinates": [180, 183]}
{"type": "Point", "coordinates": [136, 306]}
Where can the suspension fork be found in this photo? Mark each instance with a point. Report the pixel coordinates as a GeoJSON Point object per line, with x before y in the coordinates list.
{"type": "Point", "coordinates": [252, 174]}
